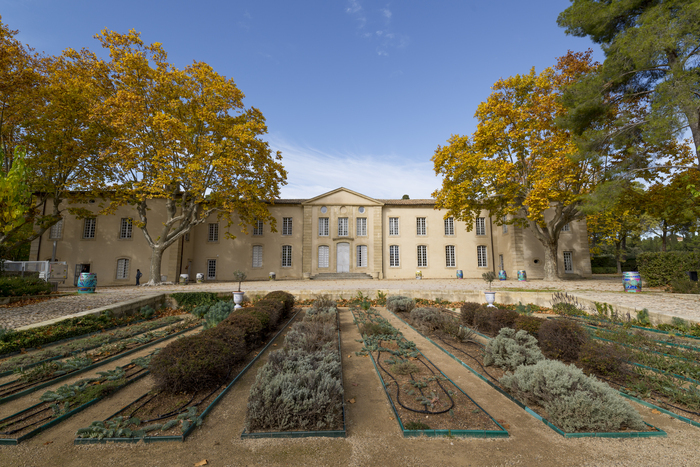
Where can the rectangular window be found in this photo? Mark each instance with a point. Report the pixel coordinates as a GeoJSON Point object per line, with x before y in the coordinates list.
{"type": "Point", "coordinates": [322, 226]}
{"type": "Point", "coordinates": [500, 262]}
{"type": "Point", "coordinates": [422, 256]}
{"type": "Point", "coordinates": [420, 226]}
{"type": "Point", "coordinates": [568, 261]}
{"type": "Point", "coordinates": [323, 254]}
{"type": "Point", "coordinates": [286, 256]}
{"type": "Point", "coordinates": [566, 228]}
{"type": "Point", "coordinates": [89, 227]}
{"type": "Point", "coordinates": [450, 260]}
{"type": "Point", "coordinates": [211, 269]}
{"type": "Point", "coordinates": [257, 256]}
{"type": "Point", "coordinates": [56, 230]}
{"type": "Point", "coordinates": [214, 232]}
{"type": "Point", "coordinates": [342, 226]}
{"type": "Point", "coordinates": [125, 229]}
{"type": "Point", "coordinates": [481, 256]}
{"type": "Point", "coordinates": [505, 226]}
{"type": "Point", "coordinates": [286, 226]}
{"type": "Point", "coordinates": [394, 256]}
{"type": "Point", "coordinates": [450, 226]}
{"type": "Point", "coordinates": [258, 228]}
{"type": "Point", "coordinates": [187, 237]}
{"type": "Point", "coordinates": [393, 226]}
{"type": "Point", "coordinates": [480, 226]}
{"type": "Point", "coordinates": [361, 256]}
{"type": "Point", "coordinates": [361, 226]}
{"type": "Point", "coordinates": [122, 268]}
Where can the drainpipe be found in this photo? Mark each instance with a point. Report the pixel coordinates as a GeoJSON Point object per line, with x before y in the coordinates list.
{"type": "Point", "coordinates": [38, 248]}
{"type": "Point", "coordinates": [493, 253]}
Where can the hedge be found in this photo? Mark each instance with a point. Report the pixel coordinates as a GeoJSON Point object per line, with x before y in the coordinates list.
{"type": "Point", "coordinates": [660, 268]}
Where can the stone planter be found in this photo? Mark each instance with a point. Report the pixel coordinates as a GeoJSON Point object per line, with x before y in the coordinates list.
{"type": "Point", "coordinates": [490, 298]}
{"type": "Point", "coordinates": [238, 299]}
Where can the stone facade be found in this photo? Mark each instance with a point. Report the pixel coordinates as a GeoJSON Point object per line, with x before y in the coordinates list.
{"type": "Point", "coordinates": [339, 231]}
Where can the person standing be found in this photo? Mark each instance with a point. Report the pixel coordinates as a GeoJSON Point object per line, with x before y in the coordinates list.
{"type": "Point", "coordinates": [138, 276]}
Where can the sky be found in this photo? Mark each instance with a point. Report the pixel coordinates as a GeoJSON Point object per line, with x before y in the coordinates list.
{"type": "Point", "coordinates": [356, 93]}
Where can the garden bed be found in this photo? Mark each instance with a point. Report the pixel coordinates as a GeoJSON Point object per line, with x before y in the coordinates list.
{"type": "Point", "coordinates": [68, 400]}
{"type": "Point", "coordinates": [423, 399]}
{"type": "Point", "coordinates": [46, 373]}
{"type": "Point", "coordinates": [465, 348]}
{"type": "Point", "coordinates": [160, 415]}
{"type": "Point", "coordinates": [299, 392]}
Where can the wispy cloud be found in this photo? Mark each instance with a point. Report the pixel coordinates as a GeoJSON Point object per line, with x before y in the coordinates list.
{"type": "Point", "coordinates": [379, 21]}
{"type": "Point", "coordinates": [312, 172]}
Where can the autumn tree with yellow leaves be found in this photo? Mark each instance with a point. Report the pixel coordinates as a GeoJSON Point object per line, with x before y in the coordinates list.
{"type": "Point", "coordinates": [518, 163]}
{"type": "Point", "coordinates": [183, 137]}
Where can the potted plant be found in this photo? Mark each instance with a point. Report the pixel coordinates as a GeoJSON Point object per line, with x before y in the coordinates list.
{"type": "Point", "coordinates": [238, 276]}
{"type": "Point", "coordinates": [490, 296]}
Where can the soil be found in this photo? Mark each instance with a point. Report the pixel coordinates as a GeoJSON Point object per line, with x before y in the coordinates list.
{"type": "Point", "coordinates": [373, 435]}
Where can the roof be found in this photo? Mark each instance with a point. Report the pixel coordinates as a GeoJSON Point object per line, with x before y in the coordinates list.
{"type": "Point", "coordinates": [408, 202]}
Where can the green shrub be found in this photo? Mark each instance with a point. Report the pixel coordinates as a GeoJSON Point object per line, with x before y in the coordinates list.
{"type": "Point", "coordinates": [296, 390]}
{"type": "Point", "coordinates": [250, 325]}
{"type": "Point", "coordinates": [660, 268]}
{"type": "Point", "coordinates": [482, 319]}
{"type": "Point", "coordinates": [284, 297]}
{"type": "Point", "coordinates": [274, 308]}
{"type": "Point", "coordinates": [683, 284]}
{"type": "Point", "coordinates": [604, 270]}
{"type": "Point", "coordinates": [147, 312]}
{"type": "Point", "coordinates": [404, 367]}
{"type": "Point", "coordinates": [431, 318]}
{"type": "Point", "coordinates": [643, 317]}
{"type": "Point", "coordinates": [568, 309]}
{"type": "Point", "coordinates": [312, 336]}
{"type": "Point", "coordinates": [322, 303]}
{"type": "Point", "coordinates": [260, 313]}
{"type": "Point", "coordinates": [17, 286]}
{"type": "Point", "coordinates": [234, 338]}
{"type": "Point", "coordinates": [399, 303]}
{"type": "Point", "coordinates": [531, 324]}
{"type": "Point", "coordinates": [574, 402]}
{"type": "Point", "coordinates": [502, 319]}
{"type": "Point", "coordinates": [192, 363]}
{"type": "Point", "coordinates": [562, 339]}
{"type": "Point", "coordinates": [191, 300]}
{"type": "Point", "coordinates": [200, 310]}
{"type": "Point", "coordinates": [601, 358]}
{"type": "Point", "coordinates": [510, 349]}
{"type": "Point", "coordinates": [217, 313]}
{"type": "Point", "coordinates": [523, 309]}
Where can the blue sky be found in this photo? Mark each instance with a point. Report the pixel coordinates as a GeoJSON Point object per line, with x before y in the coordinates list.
{"type": "Point", "coordinates": [356, 93]}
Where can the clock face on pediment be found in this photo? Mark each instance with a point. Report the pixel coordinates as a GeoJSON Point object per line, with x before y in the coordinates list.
{"type": "Point", "coordinates": [342, 197]}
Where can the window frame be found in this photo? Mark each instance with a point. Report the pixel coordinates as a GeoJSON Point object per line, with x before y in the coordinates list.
{"type": "Point", "coordinates": [483, 248]}
{"type": "Point", "coordinates": [327, 250]}
{"type": "Point", "coordinates": [361, 255]}
{"type": "Point", "coordinates": [258, 228]}
{"type": "Point", "coordinates": [93, 221]}
{"type": "Point", "coordinates": [261, 250]}
{"type": "Point", "coordinates": [125, 272]}
{"type": "Point", "coordinates": [346, 227]}
{"type": "Point", "coordinates": [286, 226]}
{"type": "Point", "coordinates": [323, 226]}
{"type": "Point", "coordinates": [213, 232]}
{"type": "Point", "coordinates": [394, 227]}
{"type": "Point", "coordinates": [126, 228]}
{"type": "Point", "coordinates": [449, 226]}
{"type": "Point", "coordinates": [286, 259]}
{"type": "Point", "coordinates": [453, 256]}
{"type": "Point", "coordinates": [394, 256]}
{"type": "Point", "coordinates": [566, 227]}
{"type": "Point", "coordinates": [361, 226]}
{"type": "Point", "coordinates": [423, 264]}
{"type": "Point", "coordinates": [480, 226]}
{"type": "Point", "coordinates": [59, 227]}
{"type": "Point", "coordinates": [421, 230]}
{"type": "Point", "coordinates": [210, 262]}
{"type": "Point", "coordinates": [571, 261]}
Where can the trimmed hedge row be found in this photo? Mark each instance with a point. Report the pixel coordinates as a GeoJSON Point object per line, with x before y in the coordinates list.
{"type": "Point", "coordinates": [16, 286]}
{"type": "Point", "coordinates": [204, 361]}
{"type": "Point", "coordinates": [660, 268]}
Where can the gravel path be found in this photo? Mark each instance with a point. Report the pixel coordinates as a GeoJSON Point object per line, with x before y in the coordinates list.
{"type": "Point", "coordinates": [606, 289]}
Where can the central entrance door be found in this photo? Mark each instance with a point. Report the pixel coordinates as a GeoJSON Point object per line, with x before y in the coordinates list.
{"type": "Point", "coordinates": [343, 258]}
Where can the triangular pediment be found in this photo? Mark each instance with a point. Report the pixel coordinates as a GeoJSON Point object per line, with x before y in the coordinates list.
{"type": "Point", "coordinates": [343, 196]}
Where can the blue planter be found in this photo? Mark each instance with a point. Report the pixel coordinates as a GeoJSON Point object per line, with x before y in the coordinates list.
{"type": "Point", "coordinates": [87, 282]}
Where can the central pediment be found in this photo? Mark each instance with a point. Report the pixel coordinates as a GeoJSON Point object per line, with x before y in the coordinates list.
{"type": "Point", "coordinates": [343, 196]}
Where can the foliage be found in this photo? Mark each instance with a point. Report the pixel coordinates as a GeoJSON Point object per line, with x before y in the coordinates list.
{"type": "Point", "coordinates": [250, 325]}
{"type": "Point", "coordinates": [567, 305]}
{"type": "Point", "coordinates": [523, 309]}
{"type": "Point", "coordinates": [15, 196]}
{"type": "Point", "coordinates": [191, 300]}
{"type": "Point", "coordinates": [530, 324]}
{"type": "Point", "coordinates": [274, 308]}
{"type": "Point", "coordinates": [430, 318]}
{"type": "Point", "coordinates": [399, 304]}
{"type": "Point", "coordinates": [17, 286]}
{"type": "Point", "coordinates": [239, 276]}
{"type": "Point", "coordinates": [683, 284]}
{"type": "Point", "coordinates": [185, 137]}
{"type": "Point", "coordinates": [518, 163]}
{"type": "Point", "coordinates": [217, 313]}
{"type": "Point", "coordinates": [574, 402]}
{"type": "Point", "coordinates": [312, 336]}
{"type": "Point", "coordinates": [193, 363]}
{"type": "Point", "coordinates": [501, 319]}
{"type": "Point", "coordinates": [562, 339]}
{"type": "Point", "coordinates": [489, 277]}
{"type": "Point", "coordinates": [468, 312]}
{"type": "Point", "coordinates": [285, 297]}
{"type": "Point", "coordinates": [416, 426]}
{"type": "Point", "coordinates": [660, 268]}
{"type": "Point", "coordinates": [147, 312]}
{"type": "Point", "coordinates": [404, 367]}
{"type": "Point", "coordinates": [643, 317]}
{"type": "Point", "coordinates": [602, 359]}
{"type": "Point", "coordinates": [510, 349]}
{"type": "Point", "coordinates": [650, 54]}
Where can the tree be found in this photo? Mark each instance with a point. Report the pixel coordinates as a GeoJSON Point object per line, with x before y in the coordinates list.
{"type": "Point", "coordinates": [613, 223]}
{"type": "Point", "coordinates": [15, 200]}
{"type": "Point", "coordinates": [183, 137]}
{"type": "Point", "coordinates": [518, 162]}
{"type": "Point", "coordinates": [652, 51]}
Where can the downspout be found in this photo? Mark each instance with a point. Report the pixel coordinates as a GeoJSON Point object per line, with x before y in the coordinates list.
{"type": "Point", "coordinates": [38, 248]}
{"type": "Point", "coordinates": [493, 253]}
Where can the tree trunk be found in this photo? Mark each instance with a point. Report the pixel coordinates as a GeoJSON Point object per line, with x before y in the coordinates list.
{"type": "Point", "coordinates": [551, 269]}
{"type": "Point", "coordinates": [664, 234]}
{"type": "Point", "coordinates": [620, 256]}
{"type": "Point", "coordinates": [156, 258]}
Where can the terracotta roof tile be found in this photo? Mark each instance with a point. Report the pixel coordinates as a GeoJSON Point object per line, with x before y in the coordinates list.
{"type": "Point", "coordinates": [408, 202]}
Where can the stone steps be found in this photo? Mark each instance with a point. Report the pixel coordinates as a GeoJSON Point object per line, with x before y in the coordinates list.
{"type": "Point", "coordinates": [340, 276]}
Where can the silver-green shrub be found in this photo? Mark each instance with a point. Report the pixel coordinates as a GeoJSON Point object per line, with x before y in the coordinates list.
{"type": "Point", "coordinates": [399, 303]}
{"type": "Point", "coordinates": [573, 401]}
{"type": "Point", "coordinates": [297, 390]}
{"type": "Point", "coordinates": [312, 336]}
{"type": "Point", "coordinates": [217, 313]}
{"type": "Point", "coordinates": [510, 349]}
{"type": "Point", "coordinates": [431, 318]}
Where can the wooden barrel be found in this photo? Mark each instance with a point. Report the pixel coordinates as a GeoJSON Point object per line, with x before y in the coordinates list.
{"type": "Point", "coordinates": [632, 282]}
{"type": "Point", "coordinates": [87, 282]}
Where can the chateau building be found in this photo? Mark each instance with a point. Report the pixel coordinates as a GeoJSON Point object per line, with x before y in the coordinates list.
{"type": "Point", "coordinates": [338, 231]}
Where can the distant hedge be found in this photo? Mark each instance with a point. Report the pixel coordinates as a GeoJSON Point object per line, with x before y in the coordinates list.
{"type": "Point", "coordinates": [660, 268]}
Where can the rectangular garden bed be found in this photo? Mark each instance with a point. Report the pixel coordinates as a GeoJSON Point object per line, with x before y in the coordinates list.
{"type": "Point", "coordinates": [472, 350]}
{"type": "Point", "coordinates": [417, 389]}
{"type": "Point", "coordinates": [190, 418]}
